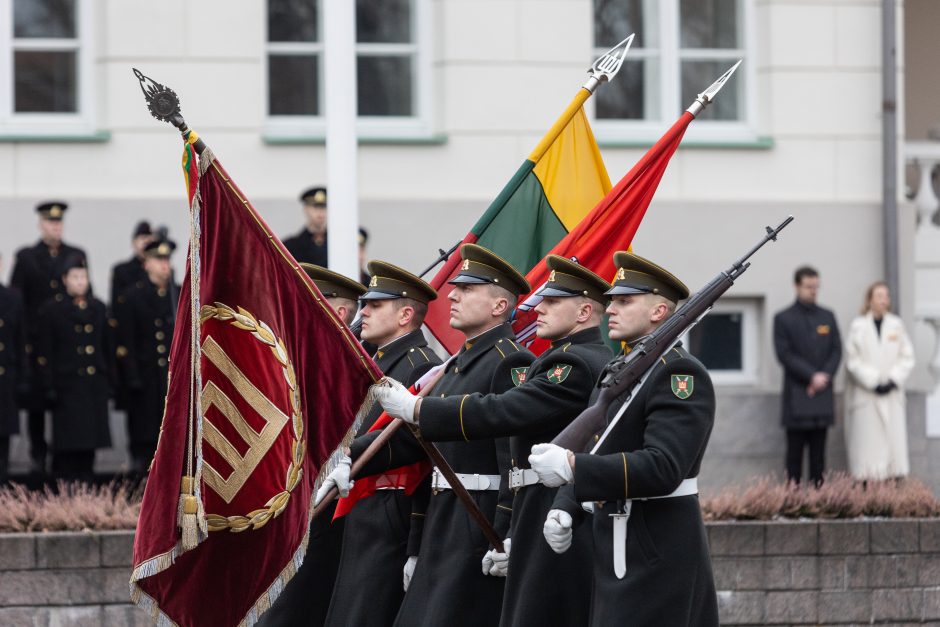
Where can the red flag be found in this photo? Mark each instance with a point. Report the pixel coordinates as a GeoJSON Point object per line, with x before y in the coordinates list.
{"type": "Point", "coordinates": [255, 422]}
{"type": "Point", "coordinates": [609, 227]}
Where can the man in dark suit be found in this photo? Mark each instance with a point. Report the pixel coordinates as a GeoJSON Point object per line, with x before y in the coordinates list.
{"type": "Point", "coordinates": [126, 273]}
{"type": "Point", "coordinates": [808, 346]}
{"type": "Point", "coordinates": [309, 246]}
{"type": "Point", "coordinates": [651, 561]}
{"type": "Point", "coordinates": [37, 277]}
{"type": "Point", "coordinates": [13, 368]}
{"type": "Point", "coordinates": [146, 316]}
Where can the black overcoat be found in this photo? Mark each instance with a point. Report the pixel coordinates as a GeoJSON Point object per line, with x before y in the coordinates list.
{"type": "Point", "coordinates": [806, 339]}
{"type": "Point", "coordinates": [72, 355]}
{"type": "Point", "coordinates": [557, 387]}
{"type": "Point", "coordinates": [448, 586]}
{"type": "Point", "coordinates": [305, 248]}
{"type": "Point", "coordinates": [13, 363]}
{"type": "Point", "coordinates": [657, 443]}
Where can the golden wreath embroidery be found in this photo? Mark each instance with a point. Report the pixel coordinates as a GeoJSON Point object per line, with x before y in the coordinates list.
{"type": "Point", "coordinates": [255, 519]}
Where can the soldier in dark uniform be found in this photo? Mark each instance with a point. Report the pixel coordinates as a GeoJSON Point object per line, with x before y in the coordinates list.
{"type": "Point", "coordinates": [127, 273]}
{"type": "Point", "coordinates": [146, 316]}
{"type": "Point", "coordinates": [447, 585]}
{"type": "Point", "coordinates": [37, 277]}
{"type": "Point", "coordinates": [309, 246]}
{"type": "Point", "coordinates": [651, 563]}
{"type": "Point", "coordinates": [72, 358]}
{"type": "Point", "coordinates": [376, 538]}
{"type": "Point", "coordinates": [807, 342]}
{"type": "Point", "coordinates": [555, 389]}
{"type": "Point", "coordinates": [13, 367]}
{"type": "Point", "coordinates": [306, 598]}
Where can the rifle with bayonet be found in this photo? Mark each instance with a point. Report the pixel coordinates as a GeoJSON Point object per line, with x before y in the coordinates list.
{"type": "Point", "coordinates": [626, 372]}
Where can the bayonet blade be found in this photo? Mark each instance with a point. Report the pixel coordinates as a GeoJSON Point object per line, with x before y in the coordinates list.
{"type": "Point", "coordinates": [606, 67]}
{"type": "Point", "coordinates": [708, 96]}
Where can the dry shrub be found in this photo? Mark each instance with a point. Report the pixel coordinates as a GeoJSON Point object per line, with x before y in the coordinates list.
{"type": "Point", "coordinates": [69, 507]}
{"type": "Point", "coordinates": [841, 496]}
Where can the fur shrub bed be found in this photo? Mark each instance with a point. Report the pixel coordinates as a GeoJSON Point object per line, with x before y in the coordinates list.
{"type": "Point", "coordinates": [69, 507]}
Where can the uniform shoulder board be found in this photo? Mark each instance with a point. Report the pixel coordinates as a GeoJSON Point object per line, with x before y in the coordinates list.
{"type": "Point", "coordinates": [565, 348]}
{"type": "Point", "coordinates": [418, 355]}
{"type": "Point", "coordinates": [506, 346]}
{"type": "Point", "coordinates": [674, 353]}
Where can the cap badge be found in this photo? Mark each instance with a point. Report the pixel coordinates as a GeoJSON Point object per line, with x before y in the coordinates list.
{"type": "Point", "coordinates": [466, 264]}
{"type": "Point", "coordinates": [551, 277]}
{"type": "Point", "coordinates": [621, 274]}
{"type": "Point", "coordinates": [55, 211]}
{"type": "Point", "coordinates": [320, 197]}
{"type": "Point", "coordinates": [374, 282]}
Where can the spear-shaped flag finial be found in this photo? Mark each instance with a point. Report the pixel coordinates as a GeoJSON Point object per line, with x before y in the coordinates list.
{"type": "Point", "coordinates": [708, 96]}
{"type": "Point", "coordinates": [607, 66]}
{"type": "Point", "coordinates": [164, 104]}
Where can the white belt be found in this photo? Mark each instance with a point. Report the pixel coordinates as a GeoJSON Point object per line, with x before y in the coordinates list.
{"type": "Point", "coordinates": [686, 488]}
{"type": "Point", "coordinates": [470, 482]}
{"type": "Point", "coordinates": [521, 477]}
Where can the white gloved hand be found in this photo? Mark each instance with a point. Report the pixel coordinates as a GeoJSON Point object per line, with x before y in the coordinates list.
{"type": "Point", "coordinates": [338, 478]}
{"type": "Point", "coordinates": [550, 462]}
{"type": "Point", "coordinates": [496, 563]}
{"type": "Point", "coordinates": [409, 570]}
{"type": "Point", "coordinates": [557, 530]}
{"type": "Point", "coordinates": [397, 401]}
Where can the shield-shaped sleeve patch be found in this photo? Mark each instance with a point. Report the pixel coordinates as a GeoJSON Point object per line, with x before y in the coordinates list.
{"type": "Point", "coordinates": [558, 373]}
{"type": "Point", "coordinates": [682, 385]}
{"type": "Point", "coordinates": [518, 375]}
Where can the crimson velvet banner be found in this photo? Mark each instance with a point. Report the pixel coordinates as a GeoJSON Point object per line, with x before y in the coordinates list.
{"type": "Point", "coordinates": [251, 427]}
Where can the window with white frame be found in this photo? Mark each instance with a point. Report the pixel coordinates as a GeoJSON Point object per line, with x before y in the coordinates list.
{"type": "Point", "coordinates": [392, 68]}
{"type": "Point", "coordinates": [681, 47]}
{"type": "Point", "coordinates": [45, 60]}
{"type": "Point", "coordinates": [727, 341]}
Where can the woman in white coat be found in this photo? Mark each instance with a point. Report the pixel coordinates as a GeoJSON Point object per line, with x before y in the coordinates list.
{"type": "Point", "coordinates": [879, 358]}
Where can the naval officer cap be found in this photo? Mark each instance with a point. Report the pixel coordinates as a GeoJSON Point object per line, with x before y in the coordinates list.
{"type": "Point", "coordinates": [636, 275]}
{"type": "Point", "coordinates": [390, 281]}
{"type": "Point", "coordinates": [52, 210]}
{"type": "Point", "coordinates": [333, 284]}
{"type": "Point", "coordinates": [160, 248]}
{"type": "Point", "coordinates": [315, 196]}
{"type": "Point", "coordinates": [484, 266]}
{"type": "Point", "coordinates": [569, 278]}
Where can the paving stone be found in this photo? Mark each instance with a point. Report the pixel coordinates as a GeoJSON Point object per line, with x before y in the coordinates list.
{"type": "Point", "coordinates": [117, 548]}
{"type": "Point", "coordinates": [738, 573]}
{"type": "Point", "coordinates": [785, 608]}
{"type": "Point", "coordinates": [791, 538]}
{"type": "Point", "coordinates": [125, 616]}
{"type": "Point", "coordinates": [930, 535]}
{"type": "Point", "coordinates": [932, 604]}
{"type": "Point", "coordinates": [67, 550]}
{"type": "Point", "coordinates": [33, 587]}
{"type": "Point", "coordinates": [17, 551]}
{"type": "Point", "coordinates": [856, 571]}
{"type": "Point", "coordinates": [26, 616]}
{"type": "Point", "coordinates": [76, 616]}
{"type": "Point", "coordinates": [908, 567]}
{"type": "Point", "coordinates": [792, 573]}
{"type": "Point", "coordinates": [843, 537]}
{"type": "Point", "coordinates": [735, 538]}
{"type": "Point", "coordinates": [898, 604]}
{"type": "Point", "coordinates": [929, 569]}
{"type": "Point", "coordinates": [100, 585]}
{"type": "Point", "coordinates": [832, 573]}
{"type": "Point", "coordinates": [882, 571]}
{"type": "Point", "coordinates": [895, 536]}
{"type": "Point", "coordinates": [845, 606]}
{"type": "Point", "coordinates": [741, 608]}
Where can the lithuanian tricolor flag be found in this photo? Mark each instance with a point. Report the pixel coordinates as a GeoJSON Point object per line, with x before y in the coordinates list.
{"type": "Point", "coordinates": [550, 193]}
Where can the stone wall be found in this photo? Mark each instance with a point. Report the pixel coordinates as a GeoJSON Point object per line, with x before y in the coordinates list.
{"type": "Point", "coordinates": [778, 573]}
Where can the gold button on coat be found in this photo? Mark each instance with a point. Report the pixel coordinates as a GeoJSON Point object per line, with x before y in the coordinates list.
{"type": "Point", "coordinates": [89, 350]}
{"type": "Point", "coordinates": [90, 370]}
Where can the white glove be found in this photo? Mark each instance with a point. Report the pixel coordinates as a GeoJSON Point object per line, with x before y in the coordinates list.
{"type": "Point", "coordinates": [409, 570]}
{"type": "Point", "coordinates": [550, 461]}
{"type": "Point", "coordinates": [397, 401]}
{"type": "Point", "coordinates": [496, 563]}
{"type": "Point", "coordinates": [338, 478]}
{"type": "Point", "coordinates": [557, 530]}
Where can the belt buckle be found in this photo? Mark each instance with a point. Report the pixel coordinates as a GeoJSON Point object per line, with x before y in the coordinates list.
{"type": "Point", "coordinates": [435, 479]}
{"type": "Point", "coordinates": [515, 479]}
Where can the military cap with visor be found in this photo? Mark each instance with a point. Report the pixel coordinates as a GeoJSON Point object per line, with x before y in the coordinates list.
{"type": "Point", "coordinates": [315, 196]}
{"type": "Point", "coordinates": [333, 284]}
{"type": "Point", "coordinates": [636, 275]}
{"type": "Point", "coordinates": [52, 210]}
{"type": "Point", "coordinates": [142, 228]}
{"type": "Point", "coordinates": [484, 266]}
{"type": "Point", "coordinates": [160, 248]}
{"type": "Point", "coordinates": [390, 281]}
{"type": "Point", "coordinates": [569, 278]}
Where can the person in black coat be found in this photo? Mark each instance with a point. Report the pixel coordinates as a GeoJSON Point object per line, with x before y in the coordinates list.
{"type": "Point", "coordinates": [306, 599]}
{"type": "Point", "coordinates": [72, 357]}
{"type": "Point", "coordinates": [808, 346]}
{"type": "Point", "coordinates": [651, 561]}
{"type": "Point", "coordinates": [146, 316]}
{"type": "Point", "coordinates": [376, 537]}
{"type": "Point", "coordinates": [553, 391]}
{"type": "Point", "coordinates": [447, 586]}
{"type": "Point", "coordinates": [13, 367]}
{"type": "Point", "coordinates": [127, 273]}
{"type": "Point", "coordinates": [37, 277]}
{"type": "Point", "coordinates": [309, 246]}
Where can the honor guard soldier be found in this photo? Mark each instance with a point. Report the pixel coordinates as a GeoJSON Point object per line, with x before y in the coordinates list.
{"type": "Point", "coordinates": [127, 273]}
{"type": "Point", "coordinates": [376, 538]}
{"type": "Point", "coordinates": [72, 355]}
{"type": "Point", "coordinates": [13, 367]}
{"type": "Point", "coordinates": [306, 598]}
{"type": "Point", "coordinates": [553, 391]}
{"type": "Point", "coordinates": [146, 318]}
{"type": "Point", "coordinates": [447, 586]}
{"type": "Point", "coordinates": [309, 246]}
{"type": "Point", "coordinates": [37, 277]}
{"type": "Point", "coordinates": [651, 563]}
